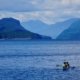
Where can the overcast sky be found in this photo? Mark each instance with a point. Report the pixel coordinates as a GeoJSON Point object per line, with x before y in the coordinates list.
{"type": "Point", "coordinates": [49, 11]}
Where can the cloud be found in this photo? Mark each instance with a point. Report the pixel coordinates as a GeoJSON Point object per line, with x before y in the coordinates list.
{"type": "Point", "coordinates": [36, 5]}
{"type": "Point", "coordinates": [16, 5]}
{"type": "Point", "coordinates": [48, 17]}
{"type": "Point", "coordinates": [49, 11]}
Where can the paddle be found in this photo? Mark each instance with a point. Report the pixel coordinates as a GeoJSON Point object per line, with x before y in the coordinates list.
{"type": "Point", "coordinates": [71, 67]}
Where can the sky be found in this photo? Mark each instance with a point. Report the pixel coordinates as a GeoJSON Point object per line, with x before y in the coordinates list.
{"type": "Point", "coordinates": [48, 11]}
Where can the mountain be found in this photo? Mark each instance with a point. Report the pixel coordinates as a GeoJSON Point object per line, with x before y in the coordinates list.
{"type": "Point", "coordinates": [36, 26]}
{"type": "Point", "coordinates": [11, 28]}
{"type": "Point", "coordinates": [52, 30]}
{"type": "Point", "coordinates": [72, 33]}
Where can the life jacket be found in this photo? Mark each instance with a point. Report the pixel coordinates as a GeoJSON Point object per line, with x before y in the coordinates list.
{"type": "Point", "coordinates": [66, 66]}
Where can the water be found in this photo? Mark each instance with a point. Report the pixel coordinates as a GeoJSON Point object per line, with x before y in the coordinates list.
{"type": "Point", "coordinates": [31, 58]}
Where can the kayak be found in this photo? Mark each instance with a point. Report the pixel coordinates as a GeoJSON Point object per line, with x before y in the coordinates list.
{"type": "Point", "coordinates": [65, 69]}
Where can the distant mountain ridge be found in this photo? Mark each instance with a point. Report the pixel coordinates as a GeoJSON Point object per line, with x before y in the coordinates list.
{"type": "Point", "coordinates": [52, 30]}
{"type": "Point", "coordinates": [72, 33]}
{"type": "Point", "coordinates": [11, 28]}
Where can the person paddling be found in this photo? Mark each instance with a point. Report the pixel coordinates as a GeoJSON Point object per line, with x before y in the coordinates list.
{"type": "Point", "coordinates": [66, 66]}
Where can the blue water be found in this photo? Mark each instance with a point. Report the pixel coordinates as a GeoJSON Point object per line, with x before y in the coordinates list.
{"type": "Point", "coordinates": [38, 60]}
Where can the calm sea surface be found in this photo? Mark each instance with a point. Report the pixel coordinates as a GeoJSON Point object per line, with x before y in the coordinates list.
{"type": "Point", "coordinates": [38, 60]}
{"type": "Point", "coordinates": [40, 54]}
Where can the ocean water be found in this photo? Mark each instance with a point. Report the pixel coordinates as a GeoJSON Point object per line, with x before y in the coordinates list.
{"type": "Point", "coordinates": [38, 60]}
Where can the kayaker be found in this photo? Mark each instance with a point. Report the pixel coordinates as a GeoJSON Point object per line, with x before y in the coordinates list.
{"type": "Point", "coordinates": [66, 66]}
